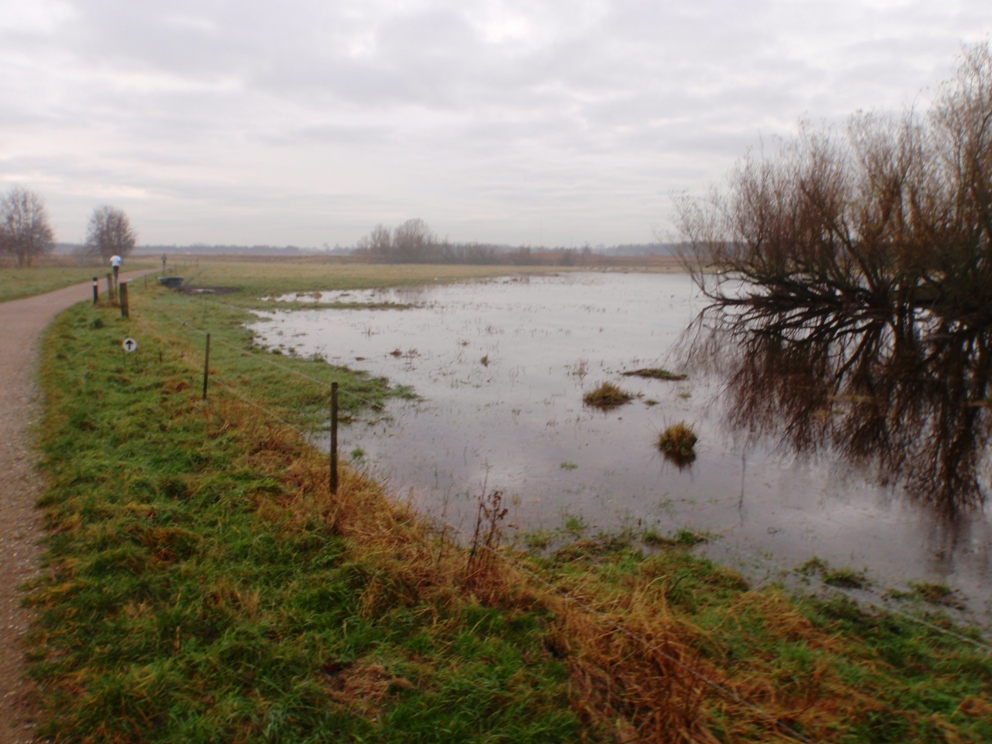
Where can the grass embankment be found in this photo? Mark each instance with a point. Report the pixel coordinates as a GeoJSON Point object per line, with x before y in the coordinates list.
{"type": "Point", "coordinates": [203, 585]}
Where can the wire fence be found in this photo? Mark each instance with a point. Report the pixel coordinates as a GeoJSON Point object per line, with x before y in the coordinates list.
{"type": "Point", "coordinates": [784, 729]}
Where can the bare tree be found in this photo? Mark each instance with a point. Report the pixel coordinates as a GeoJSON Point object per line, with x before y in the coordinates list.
{"type": "Point", "coordinates": [851, 279]}
{"type": "Point", "coordinates": [411, 242]}
{"type": "Point", "coordinates": [110, 233]}
{"type": "Point", "coordinates": [378, 243]}
{"type": "Point", "coordinates": [24, 228]}
{"type": "Point", "coordinates": [897, 211]}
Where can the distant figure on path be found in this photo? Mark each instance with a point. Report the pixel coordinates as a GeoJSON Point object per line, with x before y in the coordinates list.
{"type": "Point", "coordinates": [116, 262]}
{"type": "Point", "coordinates": [163, 263]}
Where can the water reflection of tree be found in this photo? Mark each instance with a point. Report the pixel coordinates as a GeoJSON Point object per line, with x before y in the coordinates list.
{"type": "Point", "coordinates": [903, 392]}
{"type": "Point", "coordinates": [855, 271]}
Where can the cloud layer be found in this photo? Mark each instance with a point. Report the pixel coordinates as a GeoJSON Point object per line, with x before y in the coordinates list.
{"type": "Point", "coordinates": [555, 122]}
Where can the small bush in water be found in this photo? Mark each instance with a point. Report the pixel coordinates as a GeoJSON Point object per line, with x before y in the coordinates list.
{"type": "Point", "coordinates": [678, 442]}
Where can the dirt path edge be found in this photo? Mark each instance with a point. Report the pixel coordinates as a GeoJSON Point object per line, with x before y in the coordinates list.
{"type": "Point", "coordinates": [22, 323]}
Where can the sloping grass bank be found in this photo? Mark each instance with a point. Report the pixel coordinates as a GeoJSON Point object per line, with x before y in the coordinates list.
{"type": "Point", "coordinates": [203, 585]}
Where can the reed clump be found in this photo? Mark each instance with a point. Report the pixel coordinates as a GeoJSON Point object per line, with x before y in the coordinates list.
{"type": "Point", "coordinates": [607, 396]}
{"type": "Point", "coordinates": [678, 443]}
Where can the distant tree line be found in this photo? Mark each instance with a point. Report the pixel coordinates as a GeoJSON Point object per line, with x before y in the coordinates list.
{"type": "Point", "coordinates": [414, 242]}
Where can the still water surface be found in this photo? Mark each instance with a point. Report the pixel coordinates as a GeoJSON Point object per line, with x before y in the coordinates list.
{"type": "Point", "coordinates": [501, 367]}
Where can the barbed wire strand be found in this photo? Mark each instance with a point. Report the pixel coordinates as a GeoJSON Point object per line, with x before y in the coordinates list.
{"type": "Point", "coordinates": [262, 408]}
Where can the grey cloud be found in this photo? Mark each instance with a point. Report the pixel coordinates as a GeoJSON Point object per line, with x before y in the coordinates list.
{"type": "Point", "coordinates": [243, 116]}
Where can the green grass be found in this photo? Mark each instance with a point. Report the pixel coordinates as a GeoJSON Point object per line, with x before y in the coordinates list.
{"type": "Point", "coordinates": [257, 278]}
{"type": "Point", "coordinates": [184, 600]}
{"type": "Point", "coordinates": [27, 282]}
{"type": "Point", "coordinates": [201, 585]}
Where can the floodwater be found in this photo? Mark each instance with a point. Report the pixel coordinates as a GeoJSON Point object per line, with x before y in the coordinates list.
{"type": "Point", "coordinates": [501, 367]}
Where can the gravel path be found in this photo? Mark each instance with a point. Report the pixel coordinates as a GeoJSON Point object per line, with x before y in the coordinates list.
{"type": "Point", "coordinates": [21, 325]}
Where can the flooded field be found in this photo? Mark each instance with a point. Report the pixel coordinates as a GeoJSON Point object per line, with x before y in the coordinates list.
{"type": "Point", "coordinates": [501, 368]}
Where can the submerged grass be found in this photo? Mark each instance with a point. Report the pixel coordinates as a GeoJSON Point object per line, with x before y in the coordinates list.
{"type": "Point", "coordinates": [203, 585]}
{"type": "Point", "coordinates": [655, 373]}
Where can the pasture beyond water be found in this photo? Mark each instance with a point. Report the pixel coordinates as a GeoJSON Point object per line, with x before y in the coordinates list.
{"type": "Point", "coordinates": [501, 367]}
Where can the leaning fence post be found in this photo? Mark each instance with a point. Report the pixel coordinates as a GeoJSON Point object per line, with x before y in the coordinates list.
{"type": "Point", "coordinates": [334, 437]}
{"type": "Point", "coordinates": [96, 289]}
{"type": "Point", "coordinates": [206, 367]}
{"type": "Point", "coordinates": [125, 306]}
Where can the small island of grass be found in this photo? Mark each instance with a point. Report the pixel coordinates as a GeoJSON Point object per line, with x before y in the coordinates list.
{"type": "Point", "coordinates": [607, 396]}
{"type": "Point", "coordinates": [678, 443]}
{"type": "Point", "coordinates": [655, 373]}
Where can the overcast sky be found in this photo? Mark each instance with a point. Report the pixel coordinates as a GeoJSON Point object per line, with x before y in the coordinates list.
{"type": "Point", "coordinates": [515, 121]}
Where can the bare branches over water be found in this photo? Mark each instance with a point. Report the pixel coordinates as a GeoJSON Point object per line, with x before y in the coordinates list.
{"type": "Point", "coordinates": [895, 212]}
{"type": "Point", "coordinates": [854, 275]}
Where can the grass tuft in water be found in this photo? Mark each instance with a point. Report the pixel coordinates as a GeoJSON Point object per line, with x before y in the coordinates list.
{"type": "Point", "coordinates": [607, 396]}
{"type": "Point", "coordinates": [655, 373]}
{"type": "Point", "coordinates": [678, 443]}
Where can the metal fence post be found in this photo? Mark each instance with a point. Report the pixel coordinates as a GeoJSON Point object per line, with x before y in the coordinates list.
{"type": "Point", "coordinates": [206, 367]}
{"type": "Point", "coordinates": [334, 437]}
{"type": "Point", "coordinates": [96, 290]}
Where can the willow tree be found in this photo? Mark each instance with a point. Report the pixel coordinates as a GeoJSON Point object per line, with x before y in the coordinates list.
{"type": "Point", "coordinates": [893, 211]}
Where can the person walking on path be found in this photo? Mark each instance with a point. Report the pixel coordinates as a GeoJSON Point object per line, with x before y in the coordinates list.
{"type": "Point", "coordinates": [116, 262]}
{"type": "Point", "coordinates": [23, 322]}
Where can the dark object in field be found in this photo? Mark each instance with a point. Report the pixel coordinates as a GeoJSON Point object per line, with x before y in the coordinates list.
{"type": "Point", "coordinates": [677, 443]}
{"type": "Point", "coordinates": [172, 282]}
{"type": "Point", "coordinates": [607, 396]}
{"type": "Point", "coordinates": [655, 374]}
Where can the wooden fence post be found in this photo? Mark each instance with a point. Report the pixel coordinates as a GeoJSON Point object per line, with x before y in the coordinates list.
{"type": "Point", "coordinates": [125, 307]}
{"type": "Point", "coordinates": [110, 287]}
{"type": "Point", "coordinates": [334, 437]}
{"type": "Point", "coordinates": [206, 367]}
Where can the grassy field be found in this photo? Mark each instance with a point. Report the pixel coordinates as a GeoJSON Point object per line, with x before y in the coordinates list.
{"type": "Point", "coordinates": [27, 282]}
{"type": "Point", "coordinates": [202, 583]}
{"type": "Point", "coordinates": [258, 278]}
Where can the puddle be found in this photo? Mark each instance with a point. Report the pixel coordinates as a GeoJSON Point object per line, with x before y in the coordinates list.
{"type": "Point", "coordinates": [502, 367]}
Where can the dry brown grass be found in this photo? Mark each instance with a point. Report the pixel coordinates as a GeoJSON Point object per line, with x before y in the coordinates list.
{"type": "Point", "coordinates": [645, 686]}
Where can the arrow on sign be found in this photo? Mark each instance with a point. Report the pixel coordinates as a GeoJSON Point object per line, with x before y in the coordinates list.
{"type": "Point", "coordinates": [130, 344]}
